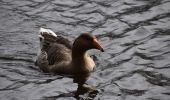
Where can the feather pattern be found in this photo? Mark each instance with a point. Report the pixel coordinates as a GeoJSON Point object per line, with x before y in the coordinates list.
{"type": "Point", "coordinates": [57, 48]}
{"type": "Point", "coordinates": [59, 55]}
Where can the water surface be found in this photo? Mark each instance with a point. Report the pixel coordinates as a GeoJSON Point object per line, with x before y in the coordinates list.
{"type": "Point", "coordinates": [134, 33]}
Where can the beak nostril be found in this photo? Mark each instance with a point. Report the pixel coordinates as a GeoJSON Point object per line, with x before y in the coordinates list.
{"type": "Point", "coordinates": [97, 45]}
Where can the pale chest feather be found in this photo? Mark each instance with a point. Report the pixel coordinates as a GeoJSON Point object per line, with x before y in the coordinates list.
{"type": "Point", "coordinates": [89, 63]}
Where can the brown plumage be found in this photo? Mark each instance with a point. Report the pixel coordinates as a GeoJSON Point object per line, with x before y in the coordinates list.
{"type": "Point", "coordinates": [58, 55]}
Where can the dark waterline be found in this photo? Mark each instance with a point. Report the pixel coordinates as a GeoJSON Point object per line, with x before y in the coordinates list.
{"type": "Point", "coordinates": [134, 33]}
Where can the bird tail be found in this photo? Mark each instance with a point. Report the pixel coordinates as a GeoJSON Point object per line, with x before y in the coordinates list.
{"type": "Point", "coordinates": [44, 31]}
{"type": "Point", "coordinates": [46, 36]}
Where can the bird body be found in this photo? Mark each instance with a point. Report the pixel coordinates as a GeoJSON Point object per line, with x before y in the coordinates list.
{"type": "Point", "coordinates": [59, 55]}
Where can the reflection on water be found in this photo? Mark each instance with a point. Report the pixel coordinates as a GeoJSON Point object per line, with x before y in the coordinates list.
{"type": "Point", "coordinates": [134, 33]}
{"type": "Point", "coordinates": [83, 88]}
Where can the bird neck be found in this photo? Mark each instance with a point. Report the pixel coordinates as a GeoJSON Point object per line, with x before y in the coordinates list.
{"type": "Point", "coordinates": [81, 61]}
{"type": "Point", "coordinates": [79, 55]}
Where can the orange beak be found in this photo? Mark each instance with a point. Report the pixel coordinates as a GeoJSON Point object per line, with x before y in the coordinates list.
{"type": "Point", "coordinates": [97, 45]}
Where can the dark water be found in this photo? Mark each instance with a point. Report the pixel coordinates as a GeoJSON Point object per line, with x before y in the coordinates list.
{"type": "Point", "coordinates": [134, 33]}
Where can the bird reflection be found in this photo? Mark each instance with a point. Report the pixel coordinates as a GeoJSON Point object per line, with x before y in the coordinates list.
{"type": "Point", "coordinates": [82, 89]}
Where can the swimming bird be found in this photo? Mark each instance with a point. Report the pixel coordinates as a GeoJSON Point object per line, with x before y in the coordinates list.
{"type": "Point", "coordinates": [59, 55]}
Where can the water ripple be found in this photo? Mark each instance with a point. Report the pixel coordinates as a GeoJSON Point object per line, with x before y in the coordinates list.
{"type": "Point", "coordinates": [134, 34]}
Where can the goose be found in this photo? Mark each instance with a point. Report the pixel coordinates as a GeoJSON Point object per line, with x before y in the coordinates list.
{"type": "Point", "coordinates": [59, 55]}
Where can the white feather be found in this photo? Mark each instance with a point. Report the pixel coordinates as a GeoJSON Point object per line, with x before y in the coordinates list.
{"type": "Point", "coordinates": [43, 30]}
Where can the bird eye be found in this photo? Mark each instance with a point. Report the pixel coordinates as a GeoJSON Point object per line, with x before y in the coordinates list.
{"type": "Point", "coordinates": [88, 38]}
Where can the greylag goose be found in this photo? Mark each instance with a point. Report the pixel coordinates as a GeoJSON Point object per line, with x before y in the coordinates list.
{"type": "Point", "coordinates": [59, 55]}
